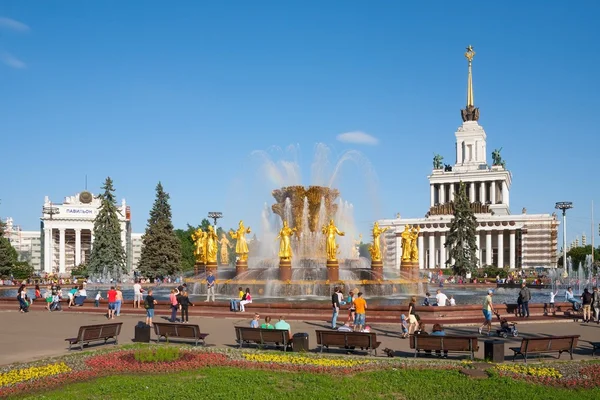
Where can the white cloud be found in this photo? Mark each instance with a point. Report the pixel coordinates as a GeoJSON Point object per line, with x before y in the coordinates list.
{"type": "Point", "coordinates": [358, 137]}
{"type": "Point", "coordinates": [12, 61]}
{"type": "Point", "coordinates": [13, 25]}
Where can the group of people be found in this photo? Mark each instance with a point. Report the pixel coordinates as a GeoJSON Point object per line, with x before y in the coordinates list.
{"type": "Point", "coordinates": [244, 298]}
{"type": "Point", "coordinates": [281, 324]}
{"type": "Point", "coordinates": [357, 309]}
{"type": "Point", "coordinates": [441, 300]}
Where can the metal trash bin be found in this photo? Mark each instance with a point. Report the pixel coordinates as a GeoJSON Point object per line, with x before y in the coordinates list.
{"type": "Point", "coordinates": [142, 333]}
{"type": "Point", "coordinates": [493, 350]}
{"type": "Point", "coordinates": [300, 342]}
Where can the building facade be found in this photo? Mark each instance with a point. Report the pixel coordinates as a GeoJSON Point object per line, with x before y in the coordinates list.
{"type": "Point", "coordinates": [503, 240]}
{"type": "Point", "coordinates": [27, 243]}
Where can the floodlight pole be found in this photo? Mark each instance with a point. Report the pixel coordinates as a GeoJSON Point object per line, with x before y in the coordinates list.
{"type": "Point", "coordinates": [564, 206]}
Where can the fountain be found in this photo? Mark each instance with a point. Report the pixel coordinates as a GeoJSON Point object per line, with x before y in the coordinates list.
{"type": "Point", "coordinates": [301, 215]}
{"type": "Point", "coordinates": [578, 279]}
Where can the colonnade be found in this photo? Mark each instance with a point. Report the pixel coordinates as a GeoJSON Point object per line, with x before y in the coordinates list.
{"type": "Point", "coordinates": [492, 192]}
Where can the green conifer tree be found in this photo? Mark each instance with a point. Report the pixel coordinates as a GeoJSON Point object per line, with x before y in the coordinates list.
{"type": "Point", "coordinates": [161, 248]}
{"type": "Point", "coordinates": [461, 237]}
{"type": "Point", "coordinates": [108, 255]}
{"type": "Point", "coordinates": [8, 254]}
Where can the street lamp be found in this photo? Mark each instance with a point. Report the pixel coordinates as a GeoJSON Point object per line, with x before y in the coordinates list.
{"type": "Point", "coordinates": [50, 210]}
{"type": "Point", "coordinates": [215, 215]}
{"type": "Point", "coordinates": [564, 206]}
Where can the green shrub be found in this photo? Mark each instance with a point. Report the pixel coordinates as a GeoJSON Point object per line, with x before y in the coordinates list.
{"type": "Point", "coordinates": [160, 354]}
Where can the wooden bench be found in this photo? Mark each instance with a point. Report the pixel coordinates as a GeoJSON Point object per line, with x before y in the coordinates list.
{"type": "Point", "coordinates": [450, 344]}
{"type": "Point", "coordinates": [347, 340]}
{"type": "Point", "coordinates": [182, 331]}
{"type": "Point", "coordinates": [262, 336]}
{"type": "Point", "coordinates": [549, 344]}
{"type": "Point", "coordinates": [595, 346]}
{"type": "Point", "coordinates": [95, 333]}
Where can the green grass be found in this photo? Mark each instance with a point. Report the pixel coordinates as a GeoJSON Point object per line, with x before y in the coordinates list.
{"type": "Point", "coordinates": [231, 384]}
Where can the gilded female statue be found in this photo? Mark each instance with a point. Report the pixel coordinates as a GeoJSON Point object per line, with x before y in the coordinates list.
{"type": "Point", "coordinates": [224, 242]}
{"type": "Point", "coordinates": [331, 247]}
{"type": "Point", "coordinates": [199, 250]}
{"type": "Point", "coordinates": [414, 251]}
{"type": "Point", "coordinates": [241, 246]}
{"type": "Point", "coordinates": [211, 245]}
{"type": "Point", "coordinates": [406, 243]}
{"type": "Point", "coordinates": [285, 244]}
{"type": "Point", "coordinates": [375, 247]}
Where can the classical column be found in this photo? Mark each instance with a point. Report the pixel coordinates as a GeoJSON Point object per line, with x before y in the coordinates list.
{"type": "Point", "coordinates": [488, 248]}
{"type": "Point", "coordinates": [442, 250]}
{"type": "Point", "coordinates": [512, 251]}
{"type": "Point", "coordinates": [77, 246]}
{"type": "Point", "coordinates": [477, 242]}
{"type": "Point", "coordinates": [420, 242]}
{"type": "Point", "coordinates": [431, 195]}
{"type": "Point", "coordinates": [431, 249]}
{"type": "Point", "coordinates": [472, 192]}
{"type": "Point", "coordinates": [398, 251]}
{"type": "Point", "coordinates": [493, 192]}
{"type": "Point", "coordinates": [505, 195]}
{"type": "Point", "coordinates": [501, 249]}
{"type": "Point", "coordinates": [442, 193]}
{"type": "Point", "coordinates": [451, 192]}
{"type": "Point", "coordinates": [61, 251]}
{"type": "Point", "coordinates": [48, 250]}
{"type": "Point", "coordinates": [482, 192]}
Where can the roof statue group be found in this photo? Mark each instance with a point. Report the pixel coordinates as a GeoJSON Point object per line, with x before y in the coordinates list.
{"type": "Point", "coordinates": [206, 243]}
{"type": "Point", "coordinates": [496, 160]}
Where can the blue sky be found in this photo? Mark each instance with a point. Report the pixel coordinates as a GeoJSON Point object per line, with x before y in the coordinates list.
{"type": "Point", "coordinates": [184, 92]}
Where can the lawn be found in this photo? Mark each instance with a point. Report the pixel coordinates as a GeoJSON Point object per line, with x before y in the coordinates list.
{"type": "Point", "coordinates": [233, 383]}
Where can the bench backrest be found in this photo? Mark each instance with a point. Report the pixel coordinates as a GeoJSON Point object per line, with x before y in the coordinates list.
{"type": "Point", "coordinates": [177, 330]}
{"type": "Point", "coordinates": [91, 332]}
{"type": "Point", "coordinates": [342, 339]}
{"type": "Point", "coordinates": [261, 335]}
{"type": "Point", "coordinates": [551, 343]}
{"type": "Point", "coordinates": [450, 343]}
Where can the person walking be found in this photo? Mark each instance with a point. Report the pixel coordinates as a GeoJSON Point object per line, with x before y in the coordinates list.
{"type": "Point", "coordinates": [335, 305]}
{"type": "Point", "coordinates": [412, 317]}
{"type": "Point", "coordinates": [586, 300]}
{"type": "Point", "coordinates": [210, 286]}
{"type": "Point", "coordinates": [119, 301]}
{"type": "Point", "coordinates": [596, 304]}
{"type": "Point", "coordinates": [137, 294]}
{"type": "Point", "coordinates": [525, 295]}
{"type": "Point", "coordinates": [361, 310]}
{"type": "Point", "coordinates": [488, 310]}
{"type": "Point", "coordinates": [112, 299]}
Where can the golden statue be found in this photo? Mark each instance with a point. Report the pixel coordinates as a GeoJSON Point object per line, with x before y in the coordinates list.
{"type": "Point", "coordinates": [331, 247]}
{"type": "Point", "coordinates": [406, 243]}
{"type": "Point", "coordinates": [241, 246]}
{"type": "Point", "coordinates": [211, 245]}
{"type": "Point", "coordinates": [414, 251]}
{"type": "Point", "coordinates": [199, 238]}
{"type": "Point", "coordinates": [285, 244]}
{"type": "Point", "coordinates": [375, 248]}
{"type": "Point", "coordinates": [224, 242]}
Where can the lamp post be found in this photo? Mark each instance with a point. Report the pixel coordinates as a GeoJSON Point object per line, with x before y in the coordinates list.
{"type": "Point", "coordinates": [50, 210]}
{"type": "Point", "coordinates": [564, 206]}
{"type": "Point", "coordinates": [215, 215]}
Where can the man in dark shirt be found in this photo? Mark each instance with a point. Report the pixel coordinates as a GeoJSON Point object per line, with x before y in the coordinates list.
{"type": "Point", "coordinates": [335, 304]}
{"type": "Point", "coordinates": [586, 300]}
{"type": "Point", "coordinates": [149, 306]}
{"type": "Point", "coordinates": [525, 295]}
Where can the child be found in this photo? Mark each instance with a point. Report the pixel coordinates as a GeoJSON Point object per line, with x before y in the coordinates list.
{"type": "Point", "coordinates": [452, 301]}
{"type": "Point", "coordinates": [404, 326]}
{"type": "Point", "coordinates": [552, 296]}
{"type": "Point", "coordinates": [97, 299]}
{"type": "Point", "coordinates": [426, 301]}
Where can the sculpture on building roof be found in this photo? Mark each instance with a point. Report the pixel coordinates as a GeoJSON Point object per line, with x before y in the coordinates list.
{"type": "Point", "coordinates": [497, 158]}
{"type": "Point", "coordinates": [437, 161]}
{"type": "Point", "coordinates": [470, 112]}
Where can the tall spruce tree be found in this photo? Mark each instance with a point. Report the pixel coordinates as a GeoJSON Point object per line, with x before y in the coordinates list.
{"type": "Point", "coordinates": [108, 254]}
{"type": "Point", "coordinates": [161, 248]}
{"type": "Point", "coordinates": [461, 237]}
{"type": "Point", "coordinates": [8, 255]}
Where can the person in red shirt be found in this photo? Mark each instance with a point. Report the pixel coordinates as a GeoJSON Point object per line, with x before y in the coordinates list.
{"type": "Point", "coordinates": [112, 299]}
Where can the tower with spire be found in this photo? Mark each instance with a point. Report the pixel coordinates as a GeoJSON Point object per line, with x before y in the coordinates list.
{"type": "Point", "coordinates": [503, 239]}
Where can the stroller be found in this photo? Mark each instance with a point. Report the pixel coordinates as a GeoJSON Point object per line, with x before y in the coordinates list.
{"type": "Point", "coordinates": [507, 328]}
{"type": "Point", "coordinates": [55, 305]}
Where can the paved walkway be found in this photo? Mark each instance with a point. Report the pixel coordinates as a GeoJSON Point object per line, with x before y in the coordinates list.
{"type": "Point", "coordinates": [40, 334]}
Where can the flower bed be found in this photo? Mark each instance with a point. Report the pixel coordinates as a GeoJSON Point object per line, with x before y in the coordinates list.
{"type": "Point", "coordinates": [584, 375]}
{"type": "Point", "coordinates": [303, 360]}
{"type": "Point", "coordinates": [32, 373]}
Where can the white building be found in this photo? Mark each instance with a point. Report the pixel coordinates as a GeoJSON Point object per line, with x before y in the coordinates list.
{"type": "Point", "coordinates": [27, 243]}
{"type": "Point", "coordinates": [517, 241]}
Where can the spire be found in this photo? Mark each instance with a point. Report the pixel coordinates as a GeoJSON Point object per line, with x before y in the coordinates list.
{"type": "Point", "coordinates": [470, 113]}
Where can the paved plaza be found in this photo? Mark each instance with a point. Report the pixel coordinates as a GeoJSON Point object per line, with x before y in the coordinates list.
{"type": "Point", "coordinates": [40, 334]}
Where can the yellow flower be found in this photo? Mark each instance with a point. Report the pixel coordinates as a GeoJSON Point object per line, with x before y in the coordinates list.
{"type": "Point", "coordinates": [25, 374]}
{"type": "Point", "coordinates": [529, 371]}
{"type": "Point", "coordinates": [303, 360]}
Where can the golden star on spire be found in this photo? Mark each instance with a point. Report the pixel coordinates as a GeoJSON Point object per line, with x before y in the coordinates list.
{"type": "Point", "coordinates": [470, 53]}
